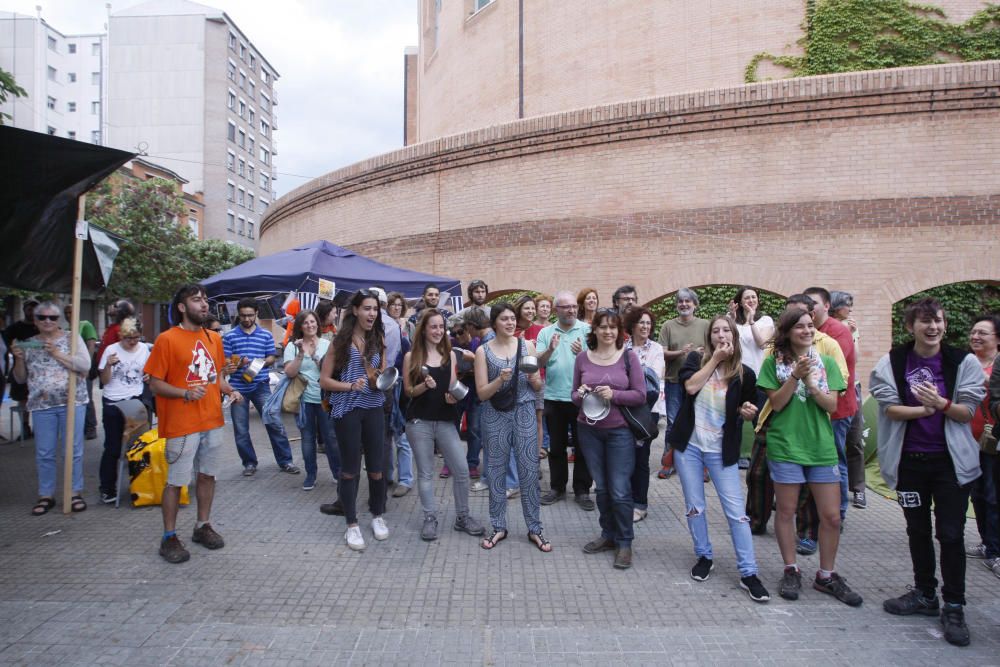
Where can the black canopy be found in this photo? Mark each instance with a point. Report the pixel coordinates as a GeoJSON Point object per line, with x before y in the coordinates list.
{"type": "Point", "coordinates": [41, 178]}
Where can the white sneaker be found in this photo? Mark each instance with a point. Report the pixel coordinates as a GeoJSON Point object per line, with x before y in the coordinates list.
{"type": "Point", "coordinates": [513, 493]}
{"type": "Point", "coordinates": [380, 529]}
{"type": "Point", "coordinates": [478, 486]}
{"type": "Point", "coordinates": [355, 539]}
{"type": "Point", "coordinates": [638, 515]}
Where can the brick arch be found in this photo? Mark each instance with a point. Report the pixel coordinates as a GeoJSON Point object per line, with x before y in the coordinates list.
{"type": "Point", "coordinates": [951, 270]}
{"type": "Point", "coordinates": [696, 287]}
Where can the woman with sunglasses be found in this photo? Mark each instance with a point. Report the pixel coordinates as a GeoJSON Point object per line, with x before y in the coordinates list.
{"type": "Point", "coordinates": [121, 369]}
{"type": "Point", "coordinates": [44, 363]}
{"type": "Point", "coordinates": [350, 367]}
{"type": "Point", "coordinates": [614, 374]}
{"type": "Point", "coordinates": [507, 423]}
{"type": "Point", "coordinates": [428, 372]}
{"type": "Point", "coordinates": [719, 390]}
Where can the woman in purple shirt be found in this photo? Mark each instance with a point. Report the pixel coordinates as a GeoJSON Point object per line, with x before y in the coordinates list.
{"type": "Point", "coordinates": [608, 445]}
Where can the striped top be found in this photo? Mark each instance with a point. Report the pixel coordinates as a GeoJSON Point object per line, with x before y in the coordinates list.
{"type": "Point", "coordinates": [257, 344]}
{"type": "Point", "coordinates": [342, 402]}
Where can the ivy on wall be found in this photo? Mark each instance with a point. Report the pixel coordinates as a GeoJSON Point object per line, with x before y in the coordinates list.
{"type": "Point", "coordinates": [962, 302]}
{"type": "Point", "coordinates": [714, 300]}
{"type": "Point", "coordinates": [855, 35]}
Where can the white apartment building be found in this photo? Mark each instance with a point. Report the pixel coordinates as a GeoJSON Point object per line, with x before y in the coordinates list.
{"type": "Point", "coordinates": [191, 91]}
{"type": "Point", "coordinates": [62, 75]}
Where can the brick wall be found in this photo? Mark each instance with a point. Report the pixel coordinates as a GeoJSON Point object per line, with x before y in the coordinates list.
{"type": "Point", "coordinates": [879, 183]}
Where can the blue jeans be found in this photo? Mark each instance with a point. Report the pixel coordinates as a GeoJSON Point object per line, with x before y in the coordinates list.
{"type": "Point", "coordinates": [672, 394]}
{"type": "Point", "coordinates": [690, 468]}
{"type": "Point", "coordinates": [840, 429]}
{"type": "Point", "coordinates": [318, 422]}
{"type": "Point", "coordinates": [50, 445]}
{"type": "Point", "coordinates": [404, 454]}
{"type": "Point", "coordinates": [610, 456]}
{"type": "Point", "coordinates": [241, 428]}
{"type": "Point", "coordinates": [984, 501]}
{"type": "Point", "coordinates": [473, 438]}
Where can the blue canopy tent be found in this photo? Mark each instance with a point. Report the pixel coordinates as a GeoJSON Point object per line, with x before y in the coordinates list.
{"type": "Point", "coordinates": [299, 270]}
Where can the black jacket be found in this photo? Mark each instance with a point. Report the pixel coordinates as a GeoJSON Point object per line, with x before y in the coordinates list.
{"type": "Point", "coordinates": [738, 392]}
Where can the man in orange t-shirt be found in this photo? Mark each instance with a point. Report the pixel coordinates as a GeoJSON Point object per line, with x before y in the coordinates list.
{"type": "Point", "coordinates": [184, 373]}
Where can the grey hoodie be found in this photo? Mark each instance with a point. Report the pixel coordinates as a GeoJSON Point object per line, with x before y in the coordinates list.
{"type": "Point", "coordinates": [968, 391]}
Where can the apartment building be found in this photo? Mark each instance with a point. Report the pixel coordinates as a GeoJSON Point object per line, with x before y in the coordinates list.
{"type": "Point", "coordinates": [190, 90]}
{"type": "Point", "coordinates": [62, 74]}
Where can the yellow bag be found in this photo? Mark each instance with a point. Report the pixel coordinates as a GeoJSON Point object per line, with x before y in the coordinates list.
{"type": "Point", "coordinates": [293, 394]}
{"type": "Point", "coordinates": [147, 470]}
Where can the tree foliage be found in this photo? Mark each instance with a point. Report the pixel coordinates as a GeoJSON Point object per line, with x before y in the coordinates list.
{"type": "Point", "coordinates": [856, 35]}
{"type": "Point", "coordinates": [714, 300]}
{"type": "Point", "coordinates": [9, 87]}
{"type": "Point", "coordinates": [962, 302]}
{"type": "Point", "coordinates": [158, 252]}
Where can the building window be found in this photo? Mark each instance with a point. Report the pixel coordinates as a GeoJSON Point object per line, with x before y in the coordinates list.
{"type": "Point", "coordinates": [265, 181]}
{"type": "Point", "coordinates": [71, 48]}
{"type": "Point", "coordinates": [241, 197]}
{"type": "Point", "coordinates": [243, 52]}
{"type": "Point", "coordinates": [52, 73]}
{"type": "Point", "coordinates": [71, 77]}
{"type": "Point", "coordinates": [95, 49]}
{"type": "Point", "coordinates": [241, 170]}
{"type": "Point", "coordinates": [251, 90]}
{"type": "Point", "coordinates": [253, 63]}
{"type": "Point", "coordinates": [230, 161]}
{"type": "Point", "coordinates": [265, 75]}
{"type": "Point", "coordinates": [51, 102]}
{"type": "Point", "coordinates": [250, 173]}
{"type": "Point", "coordinates": [250, 116]}
{"type": "Point", "coordinates": [243, 139]}
{"type": "Point", "coordinates": [95, 137]}
{"type": "Point", "coordinates": [250, 145]}
{"type": "Point", "coordinates": [193, 225]}
{"type": "Point", "coordinates": [241, 230]}
{"type": "Point", "coordinates": [231, 103]}
{"type": "Point", "coordinates": [95, 78]}
{"type": "Point", "coordinates": [71, 107]}
{"type": "Point", "coordinates": [52, 43]}
{"type": "Point", "coordinates": [52, 131]}
{"type": "Point", "coordinates": [230, 221]}
{"type": "Point", "coordinates": [231, 72]}
{"type": "Point", "coordinates": [250, 201]}
{"type": "Point", "coordinates": [71, 134]}
{"type": "Point", "coordinates": [243, 81]}
{"type": "Point", "coordinates": [263, 206]}
{"type": "Point", "coordinates": [230, 192]}
{"type": "Point", "coordinates": [265, 129]}
{"type": "Point", "coordinates": [95, 108]}
{"type": "Point", "coordinates": [265, 156]}
{"type": "Point", "coordinates": [250, 229]}
{"type": "Point", "coordinates": [265, 102]}
{"type": "Point", "coordinates": [480, 4]}
{"type": "Point", "coordinates": [243, 109]}
{"type": "Point", "coordinates": [232, 131]}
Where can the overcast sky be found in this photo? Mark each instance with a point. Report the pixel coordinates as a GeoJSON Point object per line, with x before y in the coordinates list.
{"type": "Point", "coordinates": [341, 67]}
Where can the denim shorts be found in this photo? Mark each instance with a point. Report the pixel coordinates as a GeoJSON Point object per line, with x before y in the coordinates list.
{"type": "Point", "coordinates": [785, 472]}
{"type": "Point", "coordinates": [195, 451]}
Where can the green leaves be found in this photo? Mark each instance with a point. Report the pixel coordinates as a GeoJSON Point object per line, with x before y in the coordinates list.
{"type": "Point", "coordinates": [8, 86]}
{"type": "Point", "coordinates": [159, 251]}
{"type": "Point", "coordinates": [962, 302]}
{"type": "Point", "coordinates": [714, 300]}
{"type": "Point", "coordinates": [856, 35]}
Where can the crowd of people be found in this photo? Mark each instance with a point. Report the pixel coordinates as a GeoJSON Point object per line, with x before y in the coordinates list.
{"type": "Point", "coordinates": [563, 379]}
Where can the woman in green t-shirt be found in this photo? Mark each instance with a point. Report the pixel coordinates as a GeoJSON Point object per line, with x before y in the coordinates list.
{"type": "Point", "coordinates": [802, 386]}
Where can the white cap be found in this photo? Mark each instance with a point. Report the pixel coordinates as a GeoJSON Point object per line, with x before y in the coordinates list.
{"type": "Point", "coordinates": [381, 295]}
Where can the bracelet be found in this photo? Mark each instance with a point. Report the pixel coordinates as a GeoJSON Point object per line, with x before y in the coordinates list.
{"type": "Point", "coordinates": [797, 378]}
{"type": "Point", "coordinates": [946, 405]}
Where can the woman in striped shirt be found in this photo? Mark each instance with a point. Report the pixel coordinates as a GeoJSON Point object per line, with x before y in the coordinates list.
{"type": "Point", "coordinates": [350, 367]}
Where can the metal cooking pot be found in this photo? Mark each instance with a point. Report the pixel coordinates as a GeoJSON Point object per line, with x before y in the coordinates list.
{"type": "Point", "coordinates": [529, 364]}
{"type": "Point", "coordinates": [458, 390]}
{"type": "Point", "coordinates": [594, 407]}
{"type": "Point", "coordinates": [388, 379]}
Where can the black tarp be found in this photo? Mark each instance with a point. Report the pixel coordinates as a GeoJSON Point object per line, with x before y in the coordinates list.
{"type": "Point", "coordinates": [41, 178]}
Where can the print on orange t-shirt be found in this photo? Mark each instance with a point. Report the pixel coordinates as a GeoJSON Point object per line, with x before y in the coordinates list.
{"type": "Point", "coordinates": [187, 359]}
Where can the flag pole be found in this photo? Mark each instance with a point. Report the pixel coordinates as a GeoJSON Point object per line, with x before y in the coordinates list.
{"type": "Point", "coordinates": [74, 326]}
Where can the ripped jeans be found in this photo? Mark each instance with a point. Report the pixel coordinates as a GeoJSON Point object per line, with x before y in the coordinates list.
{"type": "Point", "coordinates": [690, 464]}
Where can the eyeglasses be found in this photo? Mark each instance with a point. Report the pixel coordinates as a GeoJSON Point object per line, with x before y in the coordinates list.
{"type": "Point", "coordinates": [50, 318]}
{"type": "Point", "coordinates": [572, 306]}
{"type": "Point", "coordinates": [981, 332]}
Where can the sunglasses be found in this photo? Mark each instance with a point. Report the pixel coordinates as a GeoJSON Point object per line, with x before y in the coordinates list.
{"type": "Point", "coordinates": [50, 318]}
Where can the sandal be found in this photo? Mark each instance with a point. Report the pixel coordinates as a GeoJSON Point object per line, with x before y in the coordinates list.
{"type": "Point", "coordinates": [42, 506]}
{"type": "Point", "coordinates": [541, 543]}
{"type": "Point", "coordinates": [78, 504]}
{"type": "Point", "coordinates": [495, 538]}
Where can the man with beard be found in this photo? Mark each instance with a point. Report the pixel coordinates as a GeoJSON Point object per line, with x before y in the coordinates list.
{"type": "Point", "coordinates": [678, 337]}
{"type": "Point", "coordinates": [184, 369]}
{"type": "Point", "coordinates": [476, 291]}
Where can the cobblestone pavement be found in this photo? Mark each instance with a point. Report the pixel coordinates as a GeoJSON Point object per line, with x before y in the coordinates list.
{"type": "Point", "coordinates": [90, 588]}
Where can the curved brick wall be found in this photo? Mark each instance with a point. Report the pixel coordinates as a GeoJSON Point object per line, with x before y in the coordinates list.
{"type": "Point", "coordinates": [881, 183]}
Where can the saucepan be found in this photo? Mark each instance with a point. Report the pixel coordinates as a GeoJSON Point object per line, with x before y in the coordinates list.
{"type": "Point", "coordinates": [458, 391]}
{"type": "Point", "coordinates": [387, 379]}
{"type": "Point", "coordinates": [529, 364]}
{"type": "Point", "coordinates": [594, 407]}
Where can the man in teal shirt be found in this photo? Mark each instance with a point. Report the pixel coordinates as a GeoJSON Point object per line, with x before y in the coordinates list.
{"type": "Point", "coordinates": [557, 347]}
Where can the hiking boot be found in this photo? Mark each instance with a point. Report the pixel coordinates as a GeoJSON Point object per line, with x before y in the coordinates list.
{"type": "Point", "coordinates": [978, 551]}
{"type": "Point", "coordinates": [953, 621]}
{"type": "Point", "coordinates": [207, 537]}
{"type": "Point", "coordinates": [623, 558]}
{"type": "Point", "coordinates": [860, 500]}
{"type": "Point", "coordinates": [806, 547]}
{"type": "Point", "coordinates": [838, 588]}
{"type": "Point", "coordinates": [702, 569]}
{"type": "Point", "coordinates": [791, 583]}
{"type": "Point", "coordinates": [552, 496]}
{"type": "Point", "coordinates": [598, 545]}
{"type": "Point", "coordinates": [429, 531]}
{"type": "Point", "coordinates": [468, 525]}
{"type": "Point", "coordinates": [585, 502]}
{"type": "Point", "coordinates": [754, 588]}
{"type": "Point", "coordinates": [912, 602]}
{"type": "Point", "coordinates": [173, 551]}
